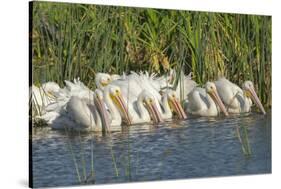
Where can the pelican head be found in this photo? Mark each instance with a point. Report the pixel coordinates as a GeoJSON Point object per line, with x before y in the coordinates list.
{"type": "Point", "coordinates": [102, 80]}
{"type": "Point", "coordinates": [100, 104]}
{"type": "Point", "coordinates": [117, 98]}
{"type": "Point", "coordinates": [150, 104]}
{"type": "Point", "coordinates": [212, 91]}
{"type": "Point", "coordinates": [249, 91]}
{"type": "Point", "coordinates": [174, 103]}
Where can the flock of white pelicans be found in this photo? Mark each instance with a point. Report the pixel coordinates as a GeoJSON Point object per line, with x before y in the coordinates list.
{"type": "Point", "coordinates": [137, 98]}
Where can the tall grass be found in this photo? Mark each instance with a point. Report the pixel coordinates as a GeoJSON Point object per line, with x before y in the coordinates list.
{"type": "Point", "coordinates": [76, 40]}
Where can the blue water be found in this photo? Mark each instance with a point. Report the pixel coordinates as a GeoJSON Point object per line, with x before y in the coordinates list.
{"type": "Point", "coordinates": [196, 147]}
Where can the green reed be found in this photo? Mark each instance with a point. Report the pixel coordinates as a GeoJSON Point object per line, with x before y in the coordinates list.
{"type": "Point", "coordinates": [79, 158]}
{"type": "Point", "coordinates": [114, 162]}
{"type": "Point", "coordinates": [76, 40]}
{"type": "Point", "coordinates": [70, 149]}
{"type": "Point", "coordinates": [242, 134]}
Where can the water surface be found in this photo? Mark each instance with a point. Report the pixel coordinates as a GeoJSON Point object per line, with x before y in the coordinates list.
{"type": "Point", "coordinates": [196, 147]}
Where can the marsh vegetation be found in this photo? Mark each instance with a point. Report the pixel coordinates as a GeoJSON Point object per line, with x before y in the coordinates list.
{"type": "Point", "coordinates": [76, 40]}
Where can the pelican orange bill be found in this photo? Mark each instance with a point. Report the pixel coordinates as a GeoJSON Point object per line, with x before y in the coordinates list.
{"type": "Point", "coordinates": [104, 116]}
{"type": "Point", "coordinates": [155, 112]}
{"type": "Point", "coordinates": [178, 108]}
{"type": "Point", "coordinates": [104, 83]}
{"type": "Point", "coordinates": [124, 109]}
{"type": "Point", "coordinates": [255, 98]}
{"type": "Point", "coordinates": [218, 101]}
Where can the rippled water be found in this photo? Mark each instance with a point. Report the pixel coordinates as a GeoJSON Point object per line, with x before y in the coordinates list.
{"type": "Point", "coordinates": [196, 147]}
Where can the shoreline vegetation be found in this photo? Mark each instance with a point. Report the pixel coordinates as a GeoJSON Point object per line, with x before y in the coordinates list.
{"type": "Point", "coordinates": [77, 40]}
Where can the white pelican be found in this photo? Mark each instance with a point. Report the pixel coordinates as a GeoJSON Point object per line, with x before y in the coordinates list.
{"type": "Point", "coordinates": [117, 107]}
{"type": "Point", "coordinates": [133, 85]}
{"type": "Point", "coordinates": [236, 99]}
{"type": "Point", "coordinates": [168, 101]}
{"type": "Point", "coordinates": [102, 80]}
{"type": "Point", "coordinates": [56, 113]}
{"type": "Point", "coordinates": [130, 87]}
{"type": "Point", "coordinates": [77, 88]}
{"type": "Point", "coordinates": [169, 104]}
{"type": "Point", "coordinates": [144, 109]}
{"type": "Point", "coordinates": [50, 96]}
{"type": "Point", "coordinates": [43, 96]}
{"type": "Point", "coordinates": [204, 102]}
{"type": "Point", "coordinates": [81, 114]}
{"type": "Point", "coordinates": [90, 114]}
